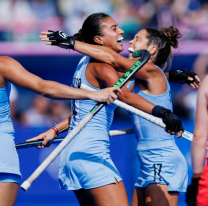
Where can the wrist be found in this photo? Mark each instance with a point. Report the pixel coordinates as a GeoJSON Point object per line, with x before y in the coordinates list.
{"type": "Point", "coordinates": [90, 95]}
{"type": "Point", "coordinates": [171, 75]}
{"type": "Point", "coordinates": [158, 111]}
{"type": "Point", "coordinates": [196, 176]}
{"type": "Point", "coordinates": [56, 131]}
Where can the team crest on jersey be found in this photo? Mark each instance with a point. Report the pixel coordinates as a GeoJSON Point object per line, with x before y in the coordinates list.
{"type": "Point", "coordinates": [77, 82]}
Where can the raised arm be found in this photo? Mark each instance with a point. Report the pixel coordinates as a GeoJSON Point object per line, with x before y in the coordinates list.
{"type": "Point", "coordinates": [13, 71]}
{"type": "Point", "coordinates": [108, 56]}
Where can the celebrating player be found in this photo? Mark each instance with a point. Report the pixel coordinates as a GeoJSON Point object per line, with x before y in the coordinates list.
{"type": "Point", "coordinates": [85, 164]}
{"type": "Point", "coordinates": [12, 71]}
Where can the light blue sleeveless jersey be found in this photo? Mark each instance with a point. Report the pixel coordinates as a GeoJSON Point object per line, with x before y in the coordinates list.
{"type": "Point", "coordinates": [160, 159]}
{"type": "Point", "coordinates": [103, 119]}
{"type": "Point", "coordinates": [9, 161]}
{"type": "Point", "coordinates": [144, 129]}
{"type": "Point", "coordinates": [85, 162]}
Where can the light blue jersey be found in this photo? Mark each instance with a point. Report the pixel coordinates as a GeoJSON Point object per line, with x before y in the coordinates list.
{"type": "Point", "coordinates": [85, 162]}
{"type": "Point", "coordinates": [160, 159]}
{"type": "Point", "coordinates": [9, 161]}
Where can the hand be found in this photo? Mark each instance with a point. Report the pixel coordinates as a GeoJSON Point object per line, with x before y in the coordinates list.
{"type": "Point", "coordinates": [58, 38]}
{"type": "Point", "coordinates": [172, 122]}
{"type": "Point", "coordinates": [192, 191]}
{"type": "Point", "coordinates": [105, 95]}
{"type": "Point", "coordinates": [46, 137]}
{"type": "Point", "coordinates": [184, 77]}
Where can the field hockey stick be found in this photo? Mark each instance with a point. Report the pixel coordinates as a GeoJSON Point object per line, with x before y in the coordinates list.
{"type": "Point", "coordinates": [145, 56]}
{"type": "Point", "coordinates": [112, 133]}
{"type": "Point", "coordinates": [187, 135]}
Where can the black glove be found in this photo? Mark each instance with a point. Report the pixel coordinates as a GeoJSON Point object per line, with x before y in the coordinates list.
{"type": "Point", "coordinates": [192, 191]}
{"type": "Point", "coordinates": [172, 122]}
{"type": "Point", "coordinates": [61, 39]}
{"type": "Point", "coordinates": [181, 76]}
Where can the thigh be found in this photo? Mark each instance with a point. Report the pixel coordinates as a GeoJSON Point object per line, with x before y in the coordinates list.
{"type": "Point", "coordinates": [8, 193]}
{"type": "Point", "coordinates": [112, 194]}
{"type": "Point", "coordinates": [83, 198]}
{"type": "Point", "coordinates": [157, 194]}
{"type": "Point", "coordinates": [138, 198]}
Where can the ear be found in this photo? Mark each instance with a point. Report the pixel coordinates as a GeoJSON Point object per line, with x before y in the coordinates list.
{"type": "Point", "coordinates": [152, 49]}
{"type": "Point", "coordinates": [98, 40]}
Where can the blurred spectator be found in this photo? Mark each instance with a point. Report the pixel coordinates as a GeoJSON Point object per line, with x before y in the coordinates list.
{"type": "Point", "coordinates": [59, 111]}
{"type": "Point", "coordinates": [38, 114]}
{"type": "Point", "coordinates": [22, 20]}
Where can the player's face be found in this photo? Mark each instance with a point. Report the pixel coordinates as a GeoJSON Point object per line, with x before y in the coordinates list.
{"type": "Point", "coordinates": [139, 42]}
{"type": "Point", "coordinates": [112, 35]}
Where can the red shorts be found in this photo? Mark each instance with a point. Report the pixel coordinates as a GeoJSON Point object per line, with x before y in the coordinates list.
{"type": "Point", "coordinates": [202, 199]}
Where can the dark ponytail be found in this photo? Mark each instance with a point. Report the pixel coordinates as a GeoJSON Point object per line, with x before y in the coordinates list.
{"type": "Point", "coordinates": [164, 39]}
{"type": "Point", "coordinates": [91, 27]}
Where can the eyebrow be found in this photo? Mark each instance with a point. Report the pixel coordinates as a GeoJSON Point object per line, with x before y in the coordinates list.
{"type": "Point", "coordinates": [113, 26]}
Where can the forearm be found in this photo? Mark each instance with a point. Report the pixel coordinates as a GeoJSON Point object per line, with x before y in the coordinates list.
{"type": "Point", "coordinates": [137, 101]}
{"type": "Point", "coordinates": [99, 53]}
{"type": "Point", "coordinates": [198, 152]}
{"type": "Point", "coordinates": [64, 125]}
{"type": "Point", "coordinates": [60, 91]}
{"type": "Point", "coordinates": [105, 55]}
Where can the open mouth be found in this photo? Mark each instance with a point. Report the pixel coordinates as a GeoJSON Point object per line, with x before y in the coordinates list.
{"type": "Point", "coordinates": [131, 50]}
{"type": "Point", "coordinates": [119, 40]}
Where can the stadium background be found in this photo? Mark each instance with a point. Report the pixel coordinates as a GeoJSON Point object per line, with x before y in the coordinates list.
{"type": "Point", "coordinates": [20, 24]}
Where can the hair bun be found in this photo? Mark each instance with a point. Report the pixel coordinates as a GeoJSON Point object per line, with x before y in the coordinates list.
{"type": "Point", "coordinates": [172, 36]}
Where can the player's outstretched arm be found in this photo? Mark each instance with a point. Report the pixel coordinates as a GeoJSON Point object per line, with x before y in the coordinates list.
{"type": "Point", "coordinates": [108, 56]}
{"type": "Point", "coordinates": [13, 71]}
{"type": "Point", "coordinates": [51, 133]}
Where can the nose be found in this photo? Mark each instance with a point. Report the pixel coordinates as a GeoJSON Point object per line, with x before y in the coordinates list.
{"type": "Point", "coordinates": [130, 42]}
{"type": "Point", "coordinates": [121, 31]}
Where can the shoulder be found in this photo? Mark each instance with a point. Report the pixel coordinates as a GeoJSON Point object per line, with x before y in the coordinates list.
{"type": "Point", "coordinates": [104, 69]}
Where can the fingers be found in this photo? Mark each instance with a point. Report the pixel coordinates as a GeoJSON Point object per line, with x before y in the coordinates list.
{"type": "Point", "coordinates": [34, 139]}
{"type": "Point", "coordinates": [44, 38]}
{"type": "Point", "coordinates": [197, 79]}
{"type": "Point", "coordinates": [44, 32]}
{"type": "Point", "coordinates": [180, 134]}
{"type": "Point", "coordinates": [117, 89]}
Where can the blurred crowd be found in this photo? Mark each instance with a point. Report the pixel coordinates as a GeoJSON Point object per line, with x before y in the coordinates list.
{"type": "Point", "coordinates": [22, 20]}
{"type": "Point", "coordinates": [40, 112]}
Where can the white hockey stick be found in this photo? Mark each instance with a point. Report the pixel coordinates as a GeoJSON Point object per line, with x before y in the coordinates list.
{"type": "Point", "coordinates": [187, 135]}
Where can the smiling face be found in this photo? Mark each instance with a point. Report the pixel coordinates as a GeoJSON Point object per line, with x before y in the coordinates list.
{"type": "Point", "coordinates": [140, 41]}
{"type": "Point", "coordinates": [112, 35]}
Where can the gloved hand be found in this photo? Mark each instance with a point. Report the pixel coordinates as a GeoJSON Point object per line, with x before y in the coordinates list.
{"type": "Point", "coordinates": [181, 76]}
{"type": "Point", "coordinates": [192, 191]}
{"type": "Point", "coordinates": [61, 39]}
{"type": "Point", "coordinates": [172, 122]}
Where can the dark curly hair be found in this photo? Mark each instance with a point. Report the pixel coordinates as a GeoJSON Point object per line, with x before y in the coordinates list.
{"type": "Point", "coordinates": [164, 39]}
